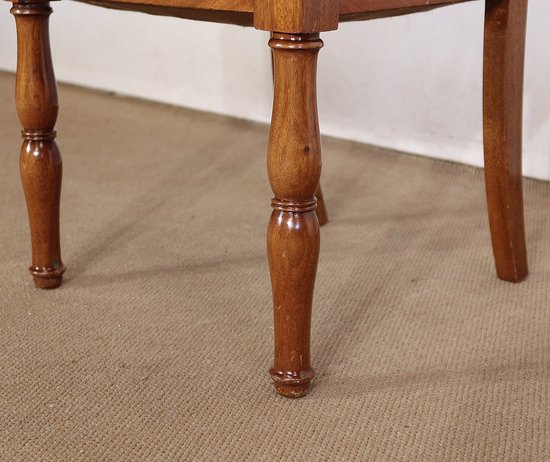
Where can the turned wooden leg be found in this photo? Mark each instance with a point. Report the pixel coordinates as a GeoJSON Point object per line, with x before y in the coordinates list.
{"type": "Point", "coordinates": [294, 167]}
{"type": "Point", "coordinates": [40, 161]}
{"type": "Point", "coordinates": [505, 22]}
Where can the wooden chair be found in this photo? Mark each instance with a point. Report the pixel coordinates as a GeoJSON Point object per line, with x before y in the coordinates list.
{"type": "Point", "coordinates": [294, 160]}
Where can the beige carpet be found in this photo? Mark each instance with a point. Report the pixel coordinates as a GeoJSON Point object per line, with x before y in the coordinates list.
{"type": "Point", "coordinates": [157, 346]}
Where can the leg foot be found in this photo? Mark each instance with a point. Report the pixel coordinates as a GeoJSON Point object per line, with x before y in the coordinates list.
{"type": "Point", "coordinates": [47, 278]}
{"type": "Point", "coordinates": [291, 385]}
{"type": "Point", "coordinates": [504, 45]}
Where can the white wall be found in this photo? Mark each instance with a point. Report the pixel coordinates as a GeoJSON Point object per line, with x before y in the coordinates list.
{"type": "Point", "coordinates": [411, 83]}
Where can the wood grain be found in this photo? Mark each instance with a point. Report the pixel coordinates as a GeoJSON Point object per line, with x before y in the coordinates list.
{"type": "Point", "coordinates": [381, 6]}
{"type": "Point", "coordinates": [277, 15]}
{"type": "Point", "coordinates": [296, 16]}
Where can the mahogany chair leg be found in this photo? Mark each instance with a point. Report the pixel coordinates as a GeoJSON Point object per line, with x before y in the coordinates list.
{"type": "Point", "coordinates": [40, 161]}
{"type": "Point", "coordinates": [505, 23]}
{"type": "Point", "coordinates": [322, 214]}
{"type": "Point", "coordinates": [294, 167]}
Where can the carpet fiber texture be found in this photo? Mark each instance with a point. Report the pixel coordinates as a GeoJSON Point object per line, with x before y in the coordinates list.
{"type": "Point", "coordinates": [157, 346]}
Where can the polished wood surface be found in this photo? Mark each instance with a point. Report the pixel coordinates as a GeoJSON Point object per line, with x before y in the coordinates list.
{"type": "Point", "coordinates": [294, 152]}
{"type": "Point", "coordinates": [40, 161]}
{"type": "Point", "coordinates": [505, 23]}
{"type": "Point", "coordinates": [372, 6]}
{"type": "Point", "coordinates": [296, 16]}
{"type": "Point", "coordinates": [259, 13]}
{"type": "Point", "coordinates": [234, 15]}
{"type": "Point", "coordinates": [294, 168]}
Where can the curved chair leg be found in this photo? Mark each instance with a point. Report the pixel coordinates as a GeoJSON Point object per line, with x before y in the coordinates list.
{"type": "Point", "coordinates": [505, 22]}
{"type": "Point", "coordinates": [322, 214]}
{"type": "Point", "coordinates": [294, 167]}
{"type": "Point", "coordinates": [40, 161]}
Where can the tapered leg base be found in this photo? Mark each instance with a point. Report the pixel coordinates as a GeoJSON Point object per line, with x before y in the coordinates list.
{"type": "Point", "coordinates": [515, 274]}
{"type": "Point", "coordinates": [291, 385]}
{"type": "Point", "coordinates": [504, 45]}
{"type": "Point", "coordinates": [47, 278]}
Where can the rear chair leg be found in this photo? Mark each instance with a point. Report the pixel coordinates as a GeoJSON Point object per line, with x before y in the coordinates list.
{"type": "Point", "coordinates": [40, 161]}
{"type": "Point", "coordinates": [505, 24]}
{"type": "Point", "coordinates": [322, 214]}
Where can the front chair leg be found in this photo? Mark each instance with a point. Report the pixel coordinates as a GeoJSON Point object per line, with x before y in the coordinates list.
{"type": "Point", "coordinates": [40, 161]}
{"type": "Point", "coordinates": [294, 167]}
{"type": "Point", "coordinates": [505, 22]}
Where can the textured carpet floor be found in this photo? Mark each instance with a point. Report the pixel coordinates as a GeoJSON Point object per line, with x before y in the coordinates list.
{"type": "Point", "coordinates": [157, 346]}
